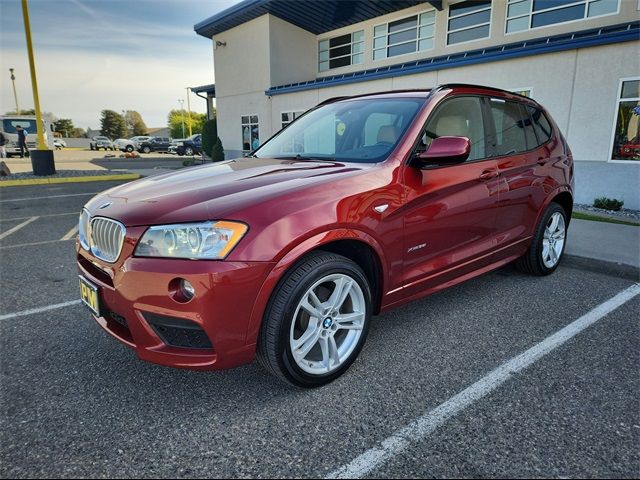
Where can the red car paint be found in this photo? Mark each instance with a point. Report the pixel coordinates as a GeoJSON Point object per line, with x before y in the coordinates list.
{"type": "Point", "coordinates": [442, 226]}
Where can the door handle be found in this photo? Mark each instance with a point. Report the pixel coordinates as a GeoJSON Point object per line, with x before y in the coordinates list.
{"type": "Point", "coordinates": [489, 174]}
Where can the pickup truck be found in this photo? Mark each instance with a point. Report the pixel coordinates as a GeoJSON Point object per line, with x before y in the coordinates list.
{"type": "Point", "coordinates": [190, 146]}
{"type": "Point", "coordinates": [155, 144]}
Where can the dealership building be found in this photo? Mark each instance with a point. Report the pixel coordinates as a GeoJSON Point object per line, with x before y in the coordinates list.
{"type": "Point", "coordinates": [274, 59]}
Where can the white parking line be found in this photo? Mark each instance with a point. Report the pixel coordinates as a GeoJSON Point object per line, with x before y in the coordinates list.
{"type": "Point", "coordinates": [428, 423]}
{"type": "Point", "coordinates": [70, 234]}
{"type": "Point", "coordinates": [7, 247]}
{"type": "Point", "coordinates": [39, 310]}
{"type": "Point", "coordinates": [41, 216]}
{"type": "Point", "coordinates": [44, 198]}
{"type": "Point", "coordinates": [17, 227]}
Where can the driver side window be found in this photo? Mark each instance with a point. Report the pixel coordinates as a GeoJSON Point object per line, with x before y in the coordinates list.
{"type": "Point", "coordinates": [457, 117]}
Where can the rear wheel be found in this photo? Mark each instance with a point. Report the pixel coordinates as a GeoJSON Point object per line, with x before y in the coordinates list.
{"type": "Point", "coordinates": [188, 151]}
{"type": "Point", "coordinates": [146, 150]}
{"type": "Point", "coordinates": [317, 321]}
{"type": "Point", "coordinates": [548, 243]}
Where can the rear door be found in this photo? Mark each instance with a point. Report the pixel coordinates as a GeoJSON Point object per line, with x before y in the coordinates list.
{"type": "Point", "coordinates": [450, 215]}
{"type": "Point", "coordinates": [522, 165]}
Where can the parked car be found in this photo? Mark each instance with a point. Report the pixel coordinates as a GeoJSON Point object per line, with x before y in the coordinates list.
{"type": "Point", "coordinates": [155, 144]}
{"type": "Point", "coordinates": [287, 253]}
{"type": "Point", "coordinates": [59, 144]}
{"type": "Point", "coordinates": [190, 146]}
{"type": "Point", "coordinates": [97, 143]}
{"type": "Point", "coordinates": [173, 148]}
{"type": "Point", "coordinates": [130, 144]}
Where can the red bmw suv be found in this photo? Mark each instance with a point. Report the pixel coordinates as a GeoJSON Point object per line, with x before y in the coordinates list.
{"type": "Point", "coordinates": [360, 205]}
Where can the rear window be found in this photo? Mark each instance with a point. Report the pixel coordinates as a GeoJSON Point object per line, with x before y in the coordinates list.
{"type": "Point", "coordinates": [541, 125]}
{"type": "Point", "coordinates": [510, 127]}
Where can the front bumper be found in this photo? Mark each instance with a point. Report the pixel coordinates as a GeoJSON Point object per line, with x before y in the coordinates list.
{"type": "Point", "coordinates": [136, 292]}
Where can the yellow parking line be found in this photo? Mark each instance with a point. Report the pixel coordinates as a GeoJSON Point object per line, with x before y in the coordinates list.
{"type": "Point", "coordinates": [17, 227]}
{"type": "Point", "coordinates": [70, 234]}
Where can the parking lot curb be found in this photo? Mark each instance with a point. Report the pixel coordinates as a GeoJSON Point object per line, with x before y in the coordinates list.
{"type": "Point", "coordinates": [89, 178]}
{"type": "Point", "coordinates": [614, 269]}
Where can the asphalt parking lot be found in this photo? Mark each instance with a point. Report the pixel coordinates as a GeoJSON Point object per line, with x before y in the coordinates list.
{"type": "Point", "coordinates": [75, 403]}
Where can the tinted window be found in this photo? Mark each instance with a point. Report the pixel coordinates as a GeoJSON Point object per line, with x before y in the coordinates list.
{"type": "Point", "coordinates": [509, 123]}
{"type": "Point", "coordinates": [458, 117]}
{"type": "Point", "coordinates": [540, 124]}
{"type": "Point", "coordinates": [529, 133]}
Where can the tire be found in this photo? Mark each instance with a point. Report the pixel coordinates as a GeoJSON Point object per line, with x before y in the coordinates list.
{"type": "Point", "coordinates": [548, 243]}
{"type": "Point", "coordinates": [146, 150]}
{"type": "Point", "coordinates": [333, 343]}
{"type": "Point", "coordinates": [188, 151]}
{"type": "Point", "coordinates": [91, 147]}
{"type": "Point", "coordinates": [129, 148]}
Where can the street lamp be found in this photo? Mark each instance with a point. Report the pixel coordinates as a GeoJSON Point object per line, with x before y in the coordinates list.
{"type": "Point", "coordinates": [15, 95]}
{"type": "Point", "coordinates": [181, 102]}
{"type": "Point", "coordinates": [189, 110]}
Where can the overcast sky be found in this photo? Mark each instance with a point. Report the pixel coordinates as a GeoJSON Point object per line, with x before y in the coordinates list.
{"type": "Point", "coordinates": [97, 54]}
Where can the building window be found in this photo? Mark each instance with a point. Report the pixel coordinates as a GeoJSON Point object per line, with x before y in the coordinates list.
{"type": "Point", "coordinates": [626, 136]}
{"type": "Point", "coordinates": [250, 133]}
{"type": "Point", "coordinates": [408, 35]}
{"type": "Point", "coordinates": [288, 117]}
{"type": "Point", "coordinates": [468, 21]}
{"type": "Point", "coordinates": [341, 51]}
{"type": "Point", "coordinates": [527, 14]}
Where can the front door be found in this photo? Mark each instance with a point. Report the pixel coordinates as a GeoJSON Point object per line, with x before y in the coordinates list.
{"type": "Point", "coordinates": [450, 214]}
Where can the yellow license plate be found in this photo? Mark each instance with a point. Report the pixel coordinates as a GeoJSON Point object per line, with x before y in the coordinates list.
{"type": "Point", "coordinates": [89, 295]}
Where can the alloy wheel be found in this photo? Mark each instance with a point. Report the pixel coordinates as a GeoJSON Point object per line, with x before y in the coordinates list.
{"type": "Point", "coordinates": [553, 240]}
{"type": "Point", "coordinates": [327, 325]}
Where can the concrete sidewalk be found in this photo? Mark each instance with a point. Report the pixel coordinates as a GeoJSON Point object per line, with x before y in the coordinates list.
{"type": "Point", "coordinates": [608, 242]}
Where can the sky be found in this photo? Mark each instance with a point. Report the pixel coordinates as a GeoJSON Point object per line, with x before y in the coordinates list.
{"type": "Point", "coordinates": [93, 55]}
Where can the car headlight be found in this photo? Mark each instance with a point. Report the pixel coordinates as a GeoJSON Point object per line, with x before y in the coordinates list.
{"type": "Point", "coordinates": [208, 240]}
{"type": "Point", "coordinates": [83, 229]}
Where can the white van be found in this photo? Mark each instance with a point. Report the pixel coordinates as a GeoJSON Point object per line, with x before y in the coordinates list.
{"type": "Point", "coordinates": [8, 124]}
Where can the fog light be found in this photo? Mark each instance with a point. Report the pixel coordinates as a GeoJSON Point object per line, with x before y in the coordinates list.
{"type": "Point", "coordinates": [187, 289]}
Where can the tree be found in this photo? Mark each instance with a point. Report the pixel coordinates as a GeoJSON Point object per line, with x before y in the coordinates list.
{"type": "Point", "coordinates": [217, 154]}
{"type": "Point", "coordinates": [112, 124]}
{"type": "Point", "coordinates": [31, 111]}
{"type": "Point", "coordinates": [175, 119]}
{"type": "Point", "coordinates": [79, 133]}
{"type": "Point", "coordinates": [135, 123]}
{"type": "Point", "coordinates": [64, 127]}
{"type": "Point", "coordinates": [209, 136]}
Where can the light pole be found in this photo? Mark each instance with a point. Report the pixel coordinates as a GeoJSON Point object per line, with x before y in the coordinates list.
{"type": "Point", "coordinates": [15, 94]}
{"type": "Point", "coordinates": [41, 159]}
{"type": "Point", "coordinates": [181, 102]}
{"type": "Point", "coordinates": [126, 128]}
{"type": "Point", "coordinates": [189, 110]}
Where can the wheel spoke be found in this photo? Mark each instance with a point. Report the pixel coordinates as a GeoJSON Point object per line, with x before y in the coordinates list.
{"type": "Point", "coordinates": [333, 351]}
{"type": "Point", "coordinates": [326, 356]}
{"type": "Point", "coordinates": [304, 344]}
{"type": "Point", "coordinates": [350, 321]}
{"type": "Point", "coordinates": [309, 308]}
{"type": "Point", "coordinates": [553, 255]}
{"type": "Point", "coordinates": [339, 295]}
{"type": "Point", "coordinates": [554, 223]}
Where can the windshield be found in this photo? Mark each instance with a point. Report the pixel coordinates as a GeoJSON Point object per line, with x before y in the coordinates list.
{"type": "Point", "coordinates": [9, 125]}
{"type": "Point", "coordinates": [361, 130]}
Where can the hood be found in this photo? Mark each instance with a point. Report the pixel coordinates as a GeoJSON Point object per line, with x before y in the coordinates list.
{"type": "Point", "coordinates": [212, 191]}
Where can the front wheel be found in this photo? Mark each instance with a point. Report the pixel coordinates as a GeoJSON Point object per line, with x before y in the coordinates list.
{"type": "Point", "coordinates": [146, 150]}
{"type": "Point", "coordinates": [548, 243]}
{"type": "Point", "coordinates": [188, 151]}
{"type": "Point", "coordinates": [317, 321]}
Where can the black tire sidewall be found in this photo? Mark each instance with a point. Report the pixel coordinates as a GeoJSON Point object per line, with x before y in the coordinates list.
{"type": "Point", "coordinates": [285, 357]}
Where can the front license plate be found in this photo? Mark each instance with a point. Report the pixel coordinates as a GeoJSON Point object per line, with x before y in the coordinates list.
{"type": "Point", "coordinates": [89, 295]}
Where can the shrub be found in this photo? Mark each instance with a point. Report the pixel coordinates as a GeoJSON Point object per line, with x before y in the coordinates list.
{"type": "Point", "coordinates": [608, 203]}
{"type": "Point", "coordinates": [209, 136]}
{"type": "Point", "coordinates": [217, 153]}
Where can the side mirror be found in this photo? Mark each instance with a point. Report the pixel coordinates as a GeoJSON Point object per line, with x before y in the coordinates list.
{"type": "Point", "coordinates": [446, 151]}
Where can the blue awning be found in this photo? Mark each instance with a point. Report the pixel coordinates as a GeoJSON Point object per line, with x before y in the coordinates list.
{"type": "Point", "coordinates": [312, 15]}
